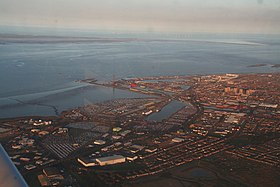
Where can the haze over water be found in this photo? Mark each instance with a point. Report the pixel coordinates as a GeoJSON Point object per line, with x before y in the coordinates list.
{"type": "Point", "coordinates": [43, 70]}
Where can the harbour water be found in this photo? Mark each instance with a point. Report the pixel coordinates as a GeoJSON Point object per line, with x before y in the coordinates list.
{"type": "Point", "coordinates": [166, 111]}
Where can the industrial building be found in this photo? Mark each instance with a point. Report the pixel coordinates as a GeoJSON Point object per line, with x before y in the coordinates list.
{"type": "Point", "coordinates": [87, 162]}
{"type": "Point", "coordinates": [115, 159]}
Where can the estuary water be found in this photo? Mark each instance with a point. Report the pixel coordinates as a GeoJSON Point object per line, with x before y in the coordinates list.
{"type": "Point", "coordinates": [38, 74]}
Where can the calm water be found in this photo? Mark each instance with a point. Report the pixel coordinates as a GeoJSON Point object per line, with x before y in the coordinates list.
{"type": "Point", "coordinates": [166, 111]}
{"type": "Point", "coordinates": [54, 102]}
{"type": "Point", "coordinates": [43, 73]}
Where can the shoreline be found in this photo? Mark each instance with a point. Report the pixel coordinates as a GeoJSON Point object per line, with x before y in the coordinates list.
{"type": "Point", "coordinates": [93, 81]}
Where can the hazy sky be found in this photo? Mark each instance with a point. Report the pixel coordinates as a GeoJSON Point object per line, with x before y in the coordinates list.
{"type": "Point", "coordinates": [247, 16]}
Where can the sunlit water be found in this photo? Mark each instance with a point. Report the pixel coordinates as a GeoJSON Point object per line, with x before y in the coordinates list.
{"type": "Point", "coordinates": [44, 73]}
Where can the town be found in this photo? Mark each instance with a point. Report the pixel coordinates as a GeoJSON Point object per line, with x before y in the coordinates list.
{"type": "Point", "coordinates": [182, 123]}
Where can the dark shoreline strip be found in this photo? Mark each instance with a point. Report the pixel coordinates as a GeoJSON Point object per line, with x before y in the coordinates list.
{"type": "Point", "coordinates": [38, 104]}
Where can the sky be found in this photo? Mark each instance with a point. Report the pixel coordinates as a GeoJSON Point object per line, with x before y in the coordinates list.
{"type": "Point", "coordinates": [216, 16]}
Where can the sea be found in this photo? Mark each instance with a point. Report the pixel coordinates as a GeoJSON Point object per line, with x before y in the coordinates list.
{"type": "Point", "coordinates": [39, 71]}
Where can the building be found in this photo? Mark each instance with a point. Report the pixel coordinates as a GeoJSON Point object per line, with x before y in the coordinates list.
{"type": "Point", "coordinates": [117, 129]}
{"type": "Point", "coordinates": [241, 91]}
{"type": "Point", "coordinates": [87, 162]}
{"type": "Point", "coordinates": [43, 133]}
{"type": "Point", "coordinates": [177, 140]}
{"type": "Point", "coordinates": [151, 149]}
{"type": "Point", "coordinates": [136, 148]}
{"type": "Point", "coordinates": [116, 137]}
{"type": "Point", "coordinates": [115, 159]}
{"type": "Point", "coordinates": [99, 142]}
{"type": "Point", "coordinates": [124, 133]}
{"type": "Point", "coordinates": [44, 181]}
{"type": "Point", "coordinates": [131, 158]}
{"type": "Point", "coordinates": [147, 113]}
{"type": "Point", "coordinates": [53, 173]}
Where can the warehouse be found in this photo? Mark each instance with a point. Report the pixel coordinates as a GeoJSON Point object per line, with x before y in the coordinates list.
{"type": "Point", "coordinates": [87, 162]}
{"type": "Point", "coordinates": [115, 159]}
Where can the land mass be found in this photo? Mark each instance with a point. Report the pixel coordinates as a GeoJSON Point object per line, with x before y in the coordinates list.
{"type": "Point", "coordinates": [262, 65]}
{"type": "Point", "coordinates": [218, 130]}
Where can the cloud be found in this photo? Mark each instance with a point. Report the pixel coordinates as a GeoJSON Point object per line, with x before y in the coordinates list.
{"type": "Point", "coordinates": [157, 15]}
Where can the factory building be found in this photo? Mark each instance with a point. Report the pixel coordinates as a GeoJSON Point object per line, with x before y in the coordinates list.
{"type": "Point", "coordinates": [87, 162]}
{"type": "Point", "coordinates": [115, 159]}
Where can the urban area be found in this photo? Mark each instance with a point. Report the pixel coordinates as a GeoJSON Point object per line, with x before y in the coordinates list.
{"type": "Point", "coordinates": [201, 130]}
